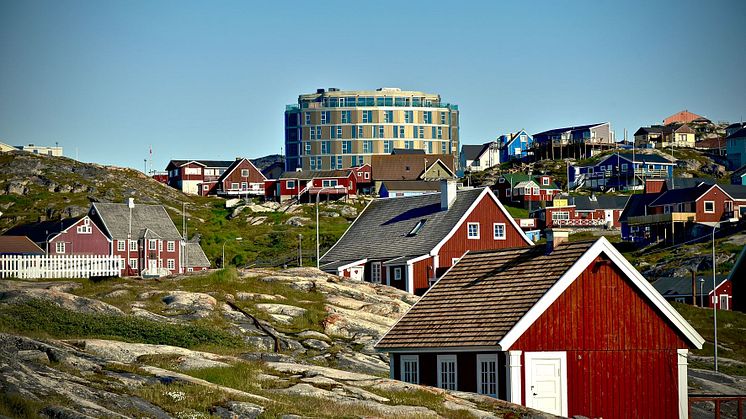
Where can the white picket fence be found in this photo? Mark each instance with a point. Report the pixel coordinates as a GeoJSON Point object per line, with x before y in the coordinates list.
{"type": "Point", "coordinates": [59, 266]}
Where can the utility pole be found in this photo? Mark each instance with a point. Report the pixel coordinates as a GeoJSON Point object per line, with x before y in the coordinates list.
{"type": "Point", "coordinates": [300, 250]}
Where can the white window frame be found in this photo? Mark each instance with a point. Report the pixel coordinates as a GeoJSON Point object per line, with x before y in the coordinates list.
{"type": "Point", "coordinates": [403, 360]}
{"type": "Point", "coordinates": [329, 183]}
{"type": "Point", "coordinates": [85, 228]}
{"type": "Point", "coordinates": [121, 245]}
{"type": "Point", "coordinates": [59, 247]}
{"type": "Point", "coordinates": [133, 263]}
{"type": "Point", "coordinates": [290, 184]}
{"type": "Point", "coordinates": [712, 211]}
{"type": "Point", "coordinates": [494, 231]}
{"type": "Point", "coordinates": [397, 273]}
{"type": "Point", "coordinates": [487, 358]}
{"type": "Point", "coordinates": [170, 246]}
{"type": "Point", "coordinates": [447, 359]}
{"type": "Point", "coordinates": [723, 298]}
{"type": "Point", "coordinates": [152, 245]}
{"type": "Point", "coordinates": [234, 186]}
{"type": "Point", "coordinates": [133, 245]}
{"type": "Point", "coordinates": [469, 233]}
{"type": "Point", "coordinates": [244, 172]}
{"type": "Point", "coordinates": [170, 264]}
{"type": "Point", "coordinates": [375, 272]}
{"type": "Point", "coordinates": [545, 181]}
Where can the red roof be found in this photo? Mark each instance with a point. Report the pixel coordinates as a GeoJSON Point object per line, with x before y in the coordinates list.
{"type": "Point", "coordinates": [19, 245]}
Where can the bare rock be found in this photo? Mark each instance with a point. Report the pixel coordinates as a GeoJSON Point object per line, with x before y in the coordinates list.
{"type": "Point", "coordinates": [281, 309]}
{"type": "Point", "coordinates": [297, 221]}
{"type": "Point", "coordinates": [190, 304]}
{"type": "Point", "coordinates": [60, 299]}
{"type": "Point", "coordinates": [348, 212]}
{"type": "Point", "coordinates": [130, 352]}
{"type": "Point", "coordinates": [239, 410]}
{"type": "Point", "coordinates": [316, 344]}
{"type": "Point", "coordinates": [312, 334]}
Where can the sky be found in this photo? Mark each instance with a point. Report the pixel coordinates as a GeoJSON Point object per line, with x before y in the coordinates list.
{"type": "Point", "coordinates": [108, 80]}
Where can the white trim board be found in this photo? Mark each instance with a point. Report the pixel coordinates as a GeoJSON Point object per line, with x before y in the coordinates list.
{"type": "Point", "coordinates": [601, 245]}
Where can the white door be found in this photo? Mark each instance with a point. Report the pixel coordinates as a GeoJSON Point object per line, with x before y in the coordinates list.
{"type": "Point", "coordinates": [375, 272]}
{"type": "Point", "coordinates": [356, 273]}
{"type": "Point", "coordinates": [546, 382]}
{"type": "Point", "coordinates": [609, 216]}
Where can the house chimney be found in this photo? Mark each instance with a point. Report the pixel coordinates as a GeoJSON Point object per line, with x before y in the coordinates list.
{"type": "Point", "coordinates": [131, 203]}
{"type": "Point", "coordinates": [447, 193]}
{"type": "Point", "coordinates": [556, 237]}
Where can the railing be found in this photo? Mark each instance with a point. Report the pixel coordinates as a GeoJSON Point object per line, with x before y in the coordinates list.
{"type": "Point", "coordinates": [718, 401]}
{"type": "Point", "coordinates": [59, 266]}
{"type": "Point", "coordinates": [663, 218]}
{"type": "Point", "coordinates": [580, 222]}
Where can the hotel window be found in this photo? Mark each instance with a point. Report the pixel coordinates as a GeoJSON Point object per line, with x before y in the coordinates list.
{"type": "Point", "coordinates": [133, 245]}
{"type": "Point", "coordinates": [325, 147]}
{"type": "Point", "coordinates": [447, 372]}
{"type": "Point", "coordinates": [367, 116]}
{"type": "Point", "coordinates": [121, 245]}
{"type": "Point", "coordinates": [472, 230]}
{"type": "Point", "coordinates": [396, 131]}
{"type": "Point", "coordinates": [410, 368]}
{"type": "Point", "coordinates": [433, 132]}
{"type": "Point", "coordinates": [59, 247]}
{"type": "Point", "coordinates": [133, 263]}
{"type": "Point", "coordinates": [308, 147]}
{"type": "Point", "coordinates": [408, 145]}
{"type": "Point", "coordinates": [427, 117]}
{"type": "Point", "coordinates": [346, 117]}
{"type": "Point", "coordinates": [421, 132]}
{"type": "Point", "coordinates": [408, 117]}
{"type": "Point", "coordinates": [318, 133]}
{"type": "Point", "coordinates": [440, 133]}
{"type": "Point", "coordinates": [318, 163]}
{"type": "Point", "coordinates": [325, 117]}
{"type": "Point", "coordinates": [171, 246]}
{"type": "Point", "coordinates": [388, 116]}
{"type": "Point", "coordinates": [498, 231]}
{"type": "Point", "coordinates": [443, 118]}
{"type": "Point", "coordinates": [375, 131]}
{"type": "Point", "coordinates": [313, 133]}
{"type": "Point", "coordinates": [360, 132]}
{"type": "Point", "coordinates": [388, 146]}
{"type": "Point", "coordinates": [367, 146]}
{"type": "Point", "coordinates": [170, 264]}
{"type": "Point", "coordinates": [429, 147]}
{"type": "Point", "coordinates": [312, 163]}
{"type": "Point", "coordinates": [346, 147]}
{"type": "Point", "coordinates": [487, 374]}
{"type": "Point", "coordinates": [307, 115]}
{"type": "Point", "coordinates": [444, 147]}
{"type": "Point", "coordinates": [381, 132]}
{"type": "Point", "coordinates": [709, 207]}
{"type": "Point", "coordinates": [401, 131]}
{"type": "Point", "coordinates": [339, 131]}
{"type": "Point", "coordinates": [339, 162]}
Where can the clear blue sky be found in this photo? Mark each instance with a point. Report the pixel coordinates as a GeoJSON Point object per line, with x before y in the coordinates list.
{"type": "Point", "coordinates": [211, 79]}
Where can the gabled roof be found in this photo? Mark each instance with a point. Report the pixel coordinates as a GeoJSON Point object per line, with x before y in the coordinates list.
{"type": "Point", "coordinates": [518, 179]}
{"type": "Point", "coordinates": [588, 203]}
{"type": "Point", "coordinates": [412, 185]}
{"type": "Point", "coordinates": [153, 218]}
{"type": "Point", "coordinates": [636, 205]}
{"type": "Point", "coordinates": [471, 151]}
{"type": "Point", "coordinates": [740, 172]}
{"type": "Point", "coordinates": [235, 165]}
{"type": "Point", "coordinates": [514, 136]}
{"type": "Point", "coordinates": [38, 232]}
{"type": "Point", "coordinates": [675, 196]}
{"type": "Point", "coordinates": [405, 166]}
{"type": "Point", "coordinates": [741, 133]}
{"type": "Point", "coordinates": [195, 256]}
{"type": "Point", "coordinates": [676, 286]}
{"type": "Point", "coordinates": [19, 245]}
{"type": "Point", "coordinates": [205, 163]}
{"type": "Point", "coordinates": [566, 129]}
{"type": "Point", "coordinates": [734, 191]}
{"type": "Point", "coordinates": [317, 174]}
{"type": "Point", "coordinates": [489, 299]}
{"type": "Point", "coordinates": [645, 158]}
{"type": "Point", "coordinates": [381, 231]}
{"type": "Point", "coordinates": [682, 116]}
{"type": "Point", "coordinates": [687, 182]}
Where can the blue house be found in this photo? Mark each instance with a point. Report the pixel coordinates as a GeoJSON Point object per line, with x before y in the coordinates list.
{"type": "Point", "coordinates": [515, 145]}
{"type": "Point", "coordinates": [620, 171]}
{"type": "Point", "coordinates": [593, 134]}
{"type": "Point", "coordinates": [735, 145]}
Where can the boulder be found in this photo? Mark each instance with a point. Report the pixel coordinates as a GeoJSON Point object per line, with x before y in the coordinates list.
{"type": "Point", "coordinates": [238, 410]}
{"type": "Point", "coordinates": [318, 345]}
{"type": "Point", "coordinates": [60, 299]}
{"type": "Point", "coordinates": [297, 221]}
{"type": "Point", "coordinates": [348, 212]}
{"type": "Point", "coordinates": [196, 304]}
{"type": "Point", "coordinates": [282, 309]}
{"type": "Point", "coordinates": [311, 334]}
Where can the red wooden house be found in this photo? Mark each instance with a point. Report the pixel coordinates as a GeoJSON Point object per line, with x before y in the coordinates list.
{"type": "Point", "coordinates": [526, 190]}
{"type": "Point", "coordinates": [408, 242]}
{"type": "Point", "coordinates": [241, 178]}
{"type": "Point", "coordinates": [569, 329]}
{"type": "Point", "coordinates": [583, 212]}
{"type": "Point", "coordinates": [71, 236]}
{"type": "Point", "coordinates": [697, 290]}
{"type": "Point", "coordinates": [189, 175]}
{"type": "Point", "coordinates": [305, 185]}
{"type": "Point", "coordinates": [363, 178]}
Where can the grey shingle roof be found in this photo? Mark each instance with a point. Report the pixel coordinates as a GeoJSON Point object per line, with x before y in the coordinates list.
{"type": "Point", "coordinates": [381, 232]}
{"type": "Point", "coordinates": [115, 218]}
{"type": "Point", "coordinates": [472, 151]}
{"type": "Point", "coordinates": [411, 185]}
{"type": "Point", "coordinates": [195, 256]}
{"type": "Point", "coordinates": [585, 203]}
{"type": "Point", "coordinates": [482, 297]}
{"type": "Point", "coordinates": [675, 196]}
{"type": "Point", "coordinates": [682, 286]}
{"type": "Point", "coordinates": [735, 191]}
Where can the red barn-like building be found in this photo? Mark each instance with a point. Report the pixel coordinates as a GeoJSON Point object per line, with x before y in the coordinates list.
{"type": "Point", "coordinates": [409, 242]}
{"type": "Point", "coordinates": [569, 329]}
{"type": "Point", "coordinates": [304, 186]}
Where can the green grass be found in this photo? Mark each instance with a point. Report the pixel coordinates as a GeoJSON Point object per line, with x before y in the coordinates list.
{"type": "Point", "coordinates": [240, 376]}
{"type": "Point", "coordinates": [14, 405]}
{"type": "Point", "coordinates": [183, 398]}
{"type": "Point", "coordinates": [38, 318]}
{"type": "Point", "coordinates": [516, 212]}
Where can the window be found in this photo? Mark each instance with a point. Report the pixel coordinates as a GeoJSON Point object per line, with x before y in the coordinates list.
{"type": "Point", "coordinates": [409, 145]}
{"type": "Point", "coordinates": [234, 186]}
{"type": "Point", "coordinates": [723, 302]}
{"type": "Point", "coordinates": [447, 372]}
{"type": "Point", "coordinates": [313, 133]}
{"type": "Point", "coordinates": [333, 132]}
{"type": "Point", "coordinates": [367, 116]}
{"type": "Point", "coordinates": [535, 191]}
{"type": "Point", "coordinates": [367, 146]}
{"type": "Point", "coordinates": [396, 131]}
{"type": "Point", "coordinates": [472, 230]}
{"type": "Point", "coordinates": [326, 147]}
{"type": "Point", "coordinates": [59, 247]}
{"type": "Point", "coordinates": [318, 133]}
{"type": "Point", "coordinates": [290, 184]}
{"type": "Point", "coordinates": [401, 131]}
{"type": "Point", "coordinates": [346, 117]}
{"type": "Point", "coordinates": [397, 274]}
{"type": "Point", "coordinates": [308, 147]}
{"type": "Point", "coordinates": [205, 187]}
{"type": "Point", "coordinates": [427, 117]}
{"type": "Point", "coordinates": [624, 167]}
{"type": "Point", "coordinates": [338, 129]}
{"type": "Point", "coordinates": [360, 132]}
{"type": "Point", "coordinates": [381, 132]}
{"type": "Point", "coordinates": [85, 228]}
{"type": "Point", "coordinates": [443, 118]}
{"type": "Point", "coordinates": [325, 117]}
{"type": "Point", "coordinates": [151, 244]}
{"type": "Point", "coordinates": [375, 272]}
{"type": "Point", "coordinates": [408, 117]}
{"type": "Point", "coordinates": [545, 181]}
{"type": "Point", "coordinates": [410, 368]}
{"type": "Point", "coordinates": [307, 115]}
{"type": "Point", "coordinates": [312, 163]}
{"type": "Point", "coordinates": [329, 183]}
{"type": "Point", "coordinates": [346, 147]}
{"type": "Point", "coordinates": [160, 245]}
{"type": "Point", "coordinates": [121, 245]}
{"type": "Point", "coordinates": [366, 175]}
{"type": "Point", "coordinates": [133, 263]}
{"type": "Point", "coordinates": [487, 374]}
{"type": "Point", "coordinates": [421, 132]}
{"type": "Point", "coordinates": [244, 172]}
{"type": "Point", "coordinates": [192, 171]}
{"type": "Point", "coordinates": [709, 207]}
{"type": "Point", "coordinates": [339, 162]}
{"type": "Point", "coordinates": [171, 246]}
{"type": "Point", "coordinates": [170, 264]}
{"type": "Point", "coordinates": [417, 227]}
{"type": "Point", "coordinates": [498, 231]}
{"type": "Point", "coordinates": [388, 116]}
{"type": "Point", "coordinates": [388, 146]}
{"type": "Point", "coordinates": [560, 215]}
{"type": "Point", "coordinates": [440, 133]}
{"type": "Point", "coordinates": [133, 245]}
{"type": "Point", "coordinates": [429, 147]}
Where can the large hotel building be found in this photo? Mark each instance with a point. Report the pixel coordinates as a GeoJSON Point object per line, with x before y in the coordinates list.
{"type": "Point", "coordinates": [333, 129]}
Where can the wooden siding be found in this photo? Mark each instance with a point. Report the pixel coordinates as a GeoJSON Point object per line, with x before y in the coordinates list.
{"type": "Point", "coordinates": [621, 352]}
{"type": "Point", "coordinates": [423, 271]}
{"type": "Point", "coordinates": [485, 213]}
{"type": "Point", "coordinates": [255, 176]}
{"type": "Point", "coordinates": [719, 197]}
{"type": "Point", "coordinates": [95, 243]}
{"type": "Point", "coordinates": [725, 287]}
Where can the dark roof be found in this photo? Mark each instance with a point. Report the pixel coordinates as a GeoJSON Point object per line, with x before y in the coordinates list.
{"type": "Point", "coordinates": [39, 231]}
{"type": "Point", "coordinates": [735, 191]}
{"type": "Point", "coordinates": [687, 182]}
{"type": "Point", "coordinates": [588, 203]}
{"type": "Point", "coordinates": [515, 178]}
{"type": "Point", "coordinates": [405, 166]}
{"type": "Point", "coordinates": [739, 172]}
{"type": "Point", "coordinates": [739, 268]}
{"type": "Point", "coordinates": [682, 286]}
{"type": "Point", "coordinates": [19, 245]}
{"type": "Point", "coordinates": [482, 297]}
{"type": "Point", "coordinates": [206, 163]}
{"type": "Point", "coordinates": [235, 164]}
{"type": "Point", "coordinates": [565, 129]}
{"type": "Point", "coordinates": [411, 185]}
{"type": "Point", "coordinates": [303, 174]}
{"type": "Point", "coordinates": [741, 133]}
{"type": "Point", "coordinates": [646, 158]}
{"type": "Point", "coordinates": [407, 151]}
{"type": "Point", "coordinates": [146, 219]}
{"type": "Point", "coordinates": [664, 129]}
{"type": "Point", "coordinates": [636, 205]}
{"type": "Point", "coordinates": [471, 151]}
{"type": "Point", "coordinates": [675, 196]}
{"type": "Point", "coordinates": [737, 125]}
{"type": "Point", "coordinates": [195, 256]}
{"type": "Point", "coordinates": [381, 231]}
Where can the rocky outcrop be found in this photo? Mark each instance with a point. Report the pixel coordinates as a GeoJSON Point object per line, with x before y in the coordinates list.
{"type": "Point", "coordinates": [61, 299]}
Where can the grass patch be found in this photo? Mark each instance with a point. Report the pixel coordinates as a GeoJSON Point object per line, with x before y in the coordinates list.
{"type": "Point", "coordinates": [184, 399]}
{"type": "Point", "coordinates": [240, 376]}
{"type": "Point", "coordinates": [40, 318]}
{"type": "Point", "coordinates": [516, 212]}
{"type": "Point", "coordinates": [423, 398]}
{"type": "Point", "coordinates": [17, 406]}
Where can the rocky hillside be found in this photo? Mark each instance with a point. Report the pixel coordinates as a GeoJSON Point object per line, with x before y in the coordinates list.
{"type": "Point", "coordinates": [34, 187]}
{"type": "Point", "coordinates": [230, 344]}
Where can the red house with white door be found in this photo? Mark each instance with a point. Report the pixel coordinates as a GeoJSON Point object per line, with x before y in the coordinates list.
{"type": "Point", "coordinates": [569, 329]}
{"type": "Point", "coordinates": [241, 178]}
{"type": "Point", "coordinates": [305, 185]}
{"type": "Point", "coordinates": [409, 242]}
